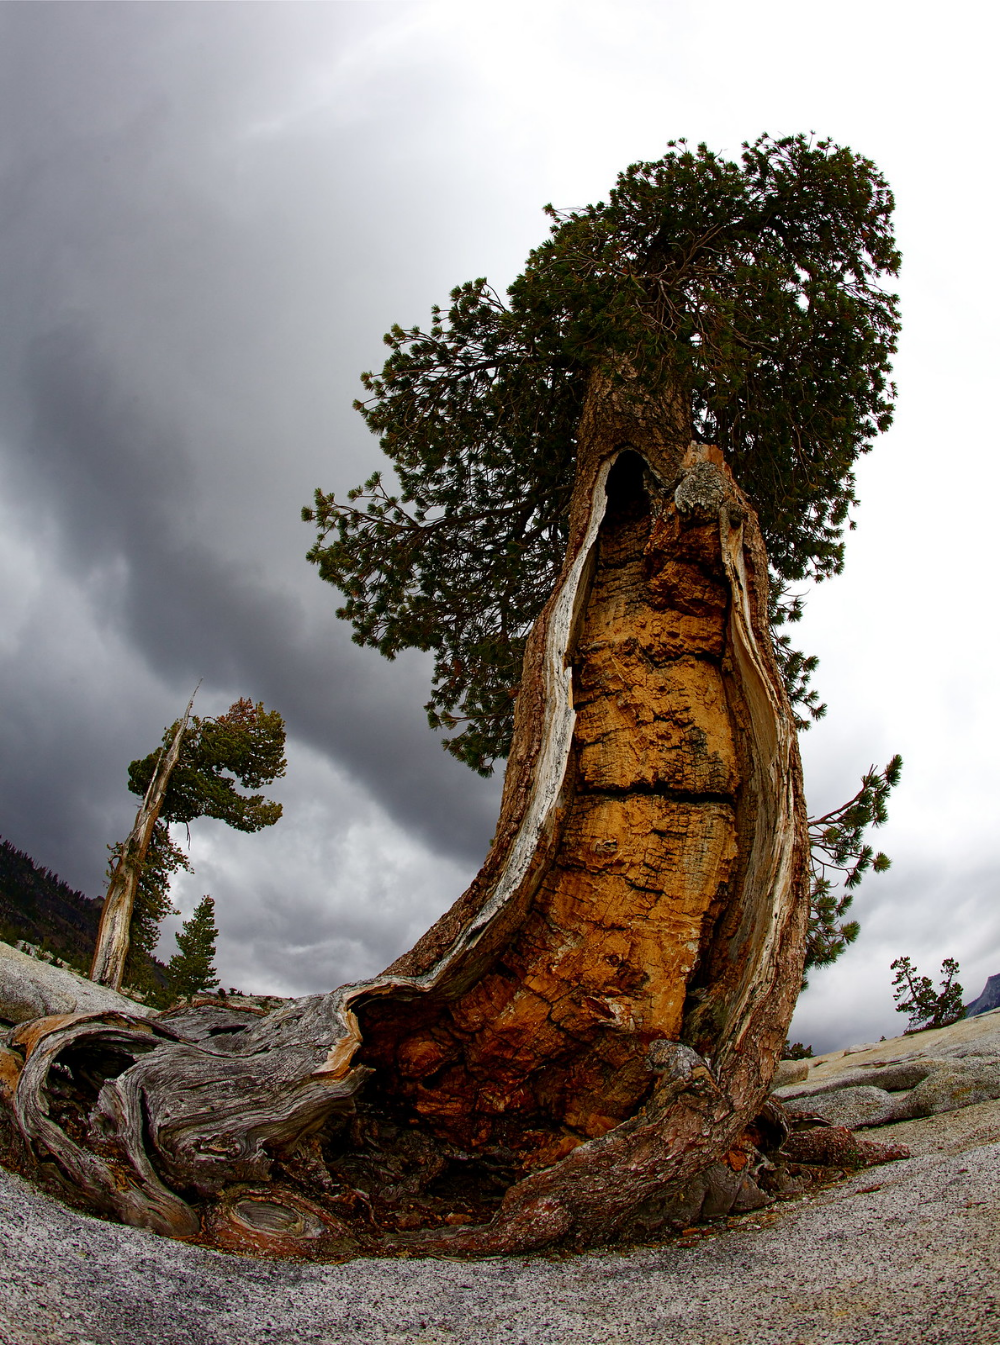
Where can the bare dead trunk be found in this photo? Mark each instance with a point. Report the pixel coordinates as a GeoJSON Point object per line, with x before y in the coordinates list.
{"type": "Point", "coordinates": [574, 1052]}
{"type": "Point", "coordinates": [111, 949]}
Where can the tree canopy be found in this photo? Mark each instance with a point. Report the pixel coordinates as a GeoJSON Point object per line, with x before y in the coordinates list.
{"type": "Point", "coordinates": [750, 290]}
{"type": "Point", "coordinates": [244, 746]}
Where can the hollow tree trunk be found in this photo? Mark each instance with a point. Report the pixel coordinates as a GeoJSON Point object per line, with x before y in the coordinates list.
{"type": "Point", "coordinates": [111, 948]}
{"type": "Point", "coordinates": [571, 1050]}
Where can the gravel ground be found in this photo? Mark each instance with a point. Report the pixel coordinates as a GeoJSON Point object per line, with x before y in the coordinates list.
{"type": "Point", "coordinates": [909, 1251]}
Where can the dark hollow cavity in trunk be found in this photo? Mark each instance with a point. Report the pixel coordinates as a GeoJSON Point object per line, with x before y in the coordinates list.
{"type": "Point", "coordinates": [587, 1033]}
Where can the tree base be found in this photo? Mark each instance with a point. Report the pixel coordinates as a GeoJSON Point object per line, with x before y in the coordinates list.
{"type": "Point", "coordinates": [370, 1186]}
{"type": "Point", "coordinates": [574, 1053]}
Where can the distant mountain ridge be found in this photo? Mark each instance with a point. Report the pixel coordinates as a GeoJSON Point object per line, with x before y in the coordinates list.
{"type": "Point", "coordinates": [38, 907]}
{"type": "Point", "coordinates": [989, 999]}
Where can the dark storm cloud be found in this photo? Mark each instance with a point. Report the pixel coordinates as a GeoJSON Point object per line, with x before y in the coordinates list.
{"type": "Point", "coordinates": [170, 392]}
{"type": "Point", "coordinates": [120, 487]}
{"type": "Point", "coordinates": [363, 892]}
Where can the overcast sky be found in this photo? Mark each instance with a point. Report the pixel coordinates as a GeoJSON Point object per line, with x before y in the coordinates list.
{"type": "Point", "coordinates": [211, 213]}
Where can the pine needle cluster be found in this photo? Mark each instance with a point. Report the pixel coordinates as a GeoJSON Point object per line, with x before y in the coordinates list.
{"type": "Point", "coordinates": [840, 857]}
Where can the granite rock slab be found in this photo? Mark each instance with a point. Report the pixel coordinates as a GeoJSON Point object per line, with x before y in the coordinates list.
{"type": "Point", "coordinates": [30, 989]}
{"type": "Point", "coordinates": [921, 1074]}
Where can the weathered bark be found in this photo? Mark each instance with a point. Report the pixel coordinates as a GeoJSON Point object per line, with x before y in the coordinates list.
{"type": "Point", "coordinates": [111, 949]}
{"type": "Point", "coordinates": [572, 1051]}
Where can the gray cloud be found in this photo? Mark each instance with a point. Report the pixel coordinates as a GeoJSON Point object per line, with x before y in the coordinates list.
{"type": "Point", "coordinates": [119, 486]}
{"type": "Point", "coordinates": [210, 213]}
{"type": "Point", "coordinates": [923, 908]}
{"type": "Point", "coordinates": [149, 419]}
{"type": "Point", "coordinates": [339, 892]}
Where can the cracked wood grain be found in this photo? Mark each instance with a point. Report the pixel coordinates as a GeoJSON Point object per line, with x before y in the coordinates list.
{"type": "Point", "coordinates": [596, 1020]}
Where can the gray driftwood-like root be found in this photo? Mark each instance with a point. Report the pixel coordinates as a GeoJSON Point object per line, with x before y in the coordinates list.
{"type": "Point", "coordinates": [578, 1050]}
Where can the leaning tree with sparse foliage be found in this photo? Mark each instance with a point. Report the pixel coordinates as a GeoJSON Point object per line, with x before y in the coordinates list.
{"type": "Point", "coordinates": [607, 485]}
{"type": "Point", "coordinates": [194, 773]}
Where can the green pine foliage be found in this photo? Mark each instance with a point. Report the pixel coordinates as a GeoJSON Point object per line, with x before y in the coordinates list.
{"type": "Point", "coordinates": [840, 857]}
{"type": "Point", "coordinates": [796, 667]}
{"type": "Point", "coordinates": [191, 971]}
{"type": "Point", "coordinates": [915, 994]}
{"type": "Point", "coordinates": [245, 746]}
{"type": "Point", "coordinates": [751, 289]}
{"type": "Point", "coordinates": [796, 1051]}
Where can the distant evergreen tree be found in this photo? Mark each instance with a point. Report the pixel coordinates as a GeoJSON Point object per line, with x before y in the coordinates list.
{"type": "Point", "coordinates": [796, 1051]}
{"type": "Point", "coordinates": [191, 970]}
{"type": "Point", "coordinates": [914, 994]}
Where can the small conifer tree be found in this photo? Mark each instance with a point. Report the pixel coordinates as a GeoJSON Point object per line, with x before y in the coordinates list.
{"type": "Point", "coordinates": [795, 1050]}
{"type": "Point", "coordinates": [914, 994]}
{"type": "Point", "coordinates": [191, 970]}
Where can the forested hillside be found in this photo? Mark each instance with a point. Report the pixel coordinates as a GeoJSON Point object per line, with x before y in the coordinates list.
{"type": "Point", "coordinates": [36, 905]}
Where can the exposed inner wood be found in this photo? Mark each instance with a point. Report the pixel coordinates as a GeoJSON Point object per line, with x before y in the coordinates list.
{"type": "Point", "coordinates": [584, 1036]}
{"type": "Point", "coordinates": [548, 1048]}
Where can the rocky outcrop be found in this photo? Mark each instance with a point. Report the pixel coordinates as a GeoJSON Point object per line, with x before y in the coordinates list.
{"type": "Point", "coordinates": [30, 988]}
{"type": "Point", "coordinates": [790, 1071]}
{"type": "Point", "coordinates": [922, 1074]}
{"type": "Point", "coordinates": [988, 1000]}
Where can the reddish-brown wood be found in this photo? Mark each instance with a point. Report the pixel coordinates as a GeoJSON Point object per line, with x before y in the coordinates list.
{"type": "Point", "coordinates": [575, 1048]}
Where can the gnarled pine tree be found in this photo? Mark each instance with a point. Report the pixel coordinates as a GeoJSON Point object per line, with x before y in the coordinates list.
{"type": "Point", "coordinates": [595, 480]}
{"type": "Point", "coordinates": [193, 774]}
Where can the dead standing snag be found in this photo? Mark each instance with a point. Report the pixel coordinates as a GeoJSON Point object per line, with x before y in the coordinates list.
{"type": "Point", "coordinates": [193, 774]}
{"type": "Point", "coordinates": [646, 888]}
{"type": "Point", "coordinates": [576, 1051]}
{"type": "Point", "coordinates": [108, 965]}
